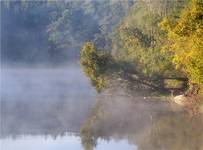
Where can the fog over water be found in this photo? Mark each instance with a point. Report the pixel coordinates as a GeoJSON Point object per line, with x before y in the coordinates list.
{"type": "Point", "coordinates": [44, 108]}
{"type": "Point", "coordinates": [42, 99]}
{"type": "Point", "coordinates": [47, 102]}
{"type": "Point", "coordinates": [57, 108]}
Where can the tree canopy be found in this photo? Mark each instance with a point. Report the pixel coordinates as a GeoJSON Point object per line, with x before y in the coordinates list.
{"type": "Point", "coordinates": [185, 40]}
{"type": "Point", "coordinates": [95, 64]}
{"type": "Point", "coordinates": [161, 40]}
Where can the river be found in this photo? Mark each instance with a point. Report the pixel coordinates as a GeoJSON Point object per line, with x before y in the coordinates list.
{"type": "Point", "coordinates": [57, 108]}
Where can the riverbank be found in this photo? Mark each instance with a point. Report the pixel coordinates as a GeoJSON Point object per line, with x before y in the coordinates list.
{"type": "Point", "coordinates": [194, 104]}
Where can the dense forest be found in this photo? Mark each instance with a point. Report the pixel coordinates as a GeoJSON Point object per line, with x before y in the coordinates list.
{"type": "Point", "coordinates": [53, 31]}
{"type": "Point", "coordinates": [158, 44]}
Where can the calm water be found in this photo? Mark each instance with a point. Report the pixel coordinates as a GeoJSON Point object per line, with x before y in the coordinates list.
{"type": "Point", "coordinates": [51, 109]}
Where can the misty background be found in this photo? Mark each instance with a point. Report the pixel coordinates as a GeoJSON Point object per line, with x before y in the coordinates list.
{"type": "Point", "coordinates": [44, 92]}
{"type": "Point", "coordinates": [43, 89]}
{"type": "Point", "coordinates": [52, 32]}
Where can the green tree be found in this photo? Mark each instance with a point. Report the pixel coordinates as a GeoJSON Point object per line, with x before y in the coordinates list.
{"type": "Point", "coordinates": [95, 64]}
{"type": "Point", "coordinates": [138, 39]}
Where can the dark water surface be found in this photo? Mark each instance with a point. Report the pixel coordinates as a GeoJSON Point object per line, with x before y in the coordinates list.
{"type": "Point", "coordinates": [57, 108]}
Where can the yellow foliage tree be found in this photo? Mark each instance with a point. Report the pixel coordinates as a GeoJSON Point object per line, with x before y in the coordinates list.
{"type": "Point", "coordinates": [185, 41]}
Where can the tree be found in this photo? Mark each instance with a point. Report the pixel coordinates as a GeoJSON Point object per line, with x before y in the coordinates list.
{"type": "Point", "coordinates": [95, 64]}
{"type": "Point", "coordinates": [138, 39]}
{"type": "Point", "coordinates": [186, 41]}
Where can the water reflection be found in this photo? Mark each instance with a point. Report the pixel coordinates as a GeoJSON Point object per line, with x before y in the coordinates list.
{"type": "Point", "coordinates": [150, 124]}
{"type": "Point", "coordinates": [58, 109]}
{"type": "Point", "coordinates": [67, 142]}
{"type": "Point", "coordinates": [44, 101]}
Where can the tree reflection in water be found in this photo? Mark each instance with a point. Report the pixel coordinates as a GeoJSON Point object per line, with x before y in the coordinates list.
{"type": "Point", "coordinates": [150, 124]}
